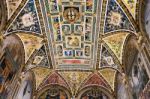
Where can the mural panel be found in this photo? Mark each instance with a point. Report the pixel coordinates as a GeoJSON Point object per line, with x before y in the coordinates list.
{"type": "Point", "coordinates": [107, 59]}
{"type": "Point", "coordinates": [116, 19]}
{"type": "Point", "coordinates": [116, 42]}
{"type": "Point", "coordinates": [109, 75]}
{"type": "Point", "coordinates": [72, 31]}
{"type": "Point", "coordinates": [12, 5]}
{"type": "Point", "coordinates": [94, 93]}
{"type": "Point", "coordinates": [26, 20]}
{"type": "Point", "coordinates": [40, 74]}
{"type": "Point", "coordinates": [131, 6]}
{"type": "Point", "coordinates": [75, 79]}
{"type": "Point", "coordinates": [53, 93]}
{"type": "Point", "coordinates": [31, 43]}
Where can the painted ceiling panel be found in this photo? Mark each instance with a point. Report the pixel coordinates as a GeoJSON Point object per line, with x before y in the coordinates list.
{"type": "Point", "coordinates": [109, 75]}
{"type": "Point", "coordinates": [31, 43]}
{"type": "Point", "coordinates": [116, 19]}
{"type": "Point", "coordinates": [107, 59]}
{"type": "Point", "coordinates": [39, 58]}
{"type": "Point", "coordinates": [95, 79]}
{"type": "Point", "coordinates": [55, 78]}
{"type": "Point", "coordinates": [131, 6]}
{"type": "Point", "coordinates": [75, 79]}
{"type": "Point", "coordinates": [40, 74]}
{"type": "Point", "coordinates": [116, 42]}
{"type": "Point", "coordinates": [72, 31]}
{"type": "Point", "coordinates": [71, 34]}
{"type": "Point", "coordinates": [26, 20]}
{"type": "Point", "coordinates": [71, 40]}
{"type": "Point", "coordinates": [12, 5]}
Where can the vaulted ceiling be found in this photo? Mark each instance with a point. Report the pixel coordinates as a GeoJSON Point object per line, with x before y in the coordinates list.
{"type": "Point", "coordinates": [76, 34]}
{"type": "Point", "coordinates": [72, 34]}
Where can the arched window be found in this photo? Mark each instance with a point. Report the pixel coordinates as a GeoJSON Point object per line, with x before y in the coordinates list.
{"type": "Point", "coordinates": [94, 94]}
{"type": "Point", "coordinates": [54, 93]}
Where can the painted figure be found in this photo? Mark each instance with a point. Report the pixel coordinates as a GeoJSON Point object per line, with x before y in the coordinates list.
{"type": "Point", "coordinates": [59, 50]}
{"type": "Point", "coordinates": [87, 50]}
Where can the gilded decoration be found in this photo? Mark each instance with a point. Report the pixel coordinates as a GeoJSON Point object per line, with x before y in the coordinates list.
{"type": "Point", "coordinates": [107, 59]}
{"type": "Point", "coordinates": [39, 58]}
{"type": "Point", "coordinates": [55, 79]}
{"type": "Point", "coordinates": [95, 79]}
{"type": "Point", "coordinates": [72, 27]}
{"type": "Point", "coordinates": [26, 20]}
{"type": "Point", "coordinates": [109, 75]}
{"type": "Point", "coordinates": [31, 43]}
{"type": "Point", "coordinates": [12, 5]}
{"type": "Point", "coordinates": [131, 6]}
{"type": "Point", "coordinates": [73, 44]}
{"type": "Point", "coordinates": [116, 42]}
{"type": "Point", "coordinates": [75, 79]}
{"type": "Point", "coordinates": [116, 19]}
{"type": "Point", "coordinates": [40, 73]}
{"type": "Point", "coordinates": [71, 14]}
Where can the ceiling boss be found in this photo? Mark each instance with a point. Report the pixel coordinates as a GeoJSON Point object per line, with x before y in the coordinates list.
{"type": "Point", "coordinates": [71, 14]}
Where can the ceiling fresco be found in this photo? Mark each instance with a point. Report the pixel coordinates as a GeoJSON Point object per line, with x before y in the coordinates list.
{"type": "Point", "coordinates": [116, 19]}
{"type": "Point", "coordinates": [109, 75]}
{"type": "Point", "coordinates": [40, 73]}
{"type": "Point", "coordinates": [55, 78]}
{"type": "Point", "coordinates": [106, 59]}
{"type": "Point", "coordinates": [26, 20]}
{"type": "Point", "coordinates": [31, 43]}
{"type": "Point", "coordinates": [116, 42]}
{"type": "Point", "coordinates": [75, 79]}
{"type": "Point", "coordinates": [131, 6]}
{"type": "Point", "coordinates": [72, 32]}
{"type": "Point", "coordinates": [39, 58]}
{"type": "Point", "coordinates": [12, 5]}
{"type": "Point", "coordinates": [73, 43]}
{"type": "Point", "coordinates": [96, 79]}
